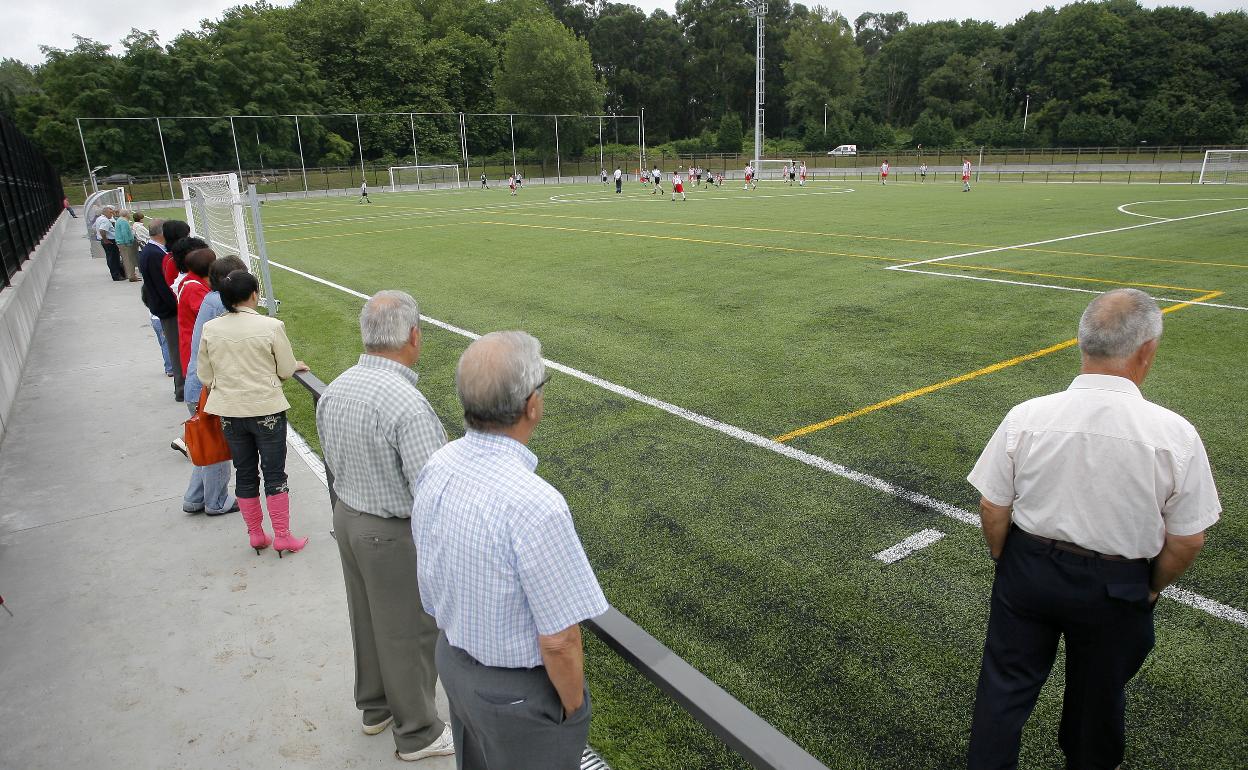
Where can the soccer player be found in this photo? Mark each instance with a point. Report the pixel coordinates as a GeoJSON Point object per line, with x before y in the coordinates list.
{"type": "Point", "coordinates": [792, 169]}
{"type": "Point", "coordinates": [923, 171]}
{"type": "Point", "coordinates": [519, 179]}
{"type": "Point", "coordinates": [678, 186]}
{"type": "Point", "coordinates": [749, 177]}
{"type": "Point", "coordinates": [619, 180]}
{"type": "Point", "coordinates": [884, 172]}
{"type": "Point", "coordinates": [484, 186]}
{"type": "Point", "coordinates": [966, 175]}
{"type": "Point", "coordinates": [364, 193]}
{"type": "Point", "coordinates": [657, 178]}
{"type": "Point", "coordinates": [802, 173]}
{"type": "Point", "coordinates": [511, 184]}
{"type": "Point", "coordinates": [604, 174]}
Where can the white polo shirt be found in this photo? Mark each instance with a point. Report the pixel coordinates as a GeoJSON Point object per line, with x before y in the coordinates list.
{"type": "Point", "coordinates": [1098, 466]}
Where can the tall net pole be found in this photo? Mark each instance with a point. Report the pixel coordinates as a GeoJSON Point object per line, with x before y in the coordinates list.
{"type": "Point", "coordinates": [758, 10]}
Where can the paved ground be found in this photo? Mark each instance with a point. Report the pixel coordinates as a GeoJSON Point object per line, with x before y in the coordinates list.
{"type": "Point", "coordinates": [144, 637]}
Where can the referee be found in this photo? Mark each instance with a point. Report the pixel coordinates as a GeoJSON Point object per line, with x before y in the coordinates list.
{"type": "Point", "coordinates": [1094, 500]}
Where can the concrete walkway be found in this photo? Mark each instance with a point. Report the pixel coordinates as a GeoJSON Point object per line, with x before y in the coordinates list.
{"type": "Point", "coordinates": [145, 637]}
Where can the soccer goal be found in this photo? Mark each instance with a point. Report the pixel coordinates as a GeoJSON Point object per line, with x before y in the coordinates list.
{"type": "Point", "coordinates": [772, 170]}
{"type": "Point", "coordinates": [416, 177]}
{"type": "Point", "coordinates": [1224, 167]}
{"type": "Point", "coordinates": [218, 212]}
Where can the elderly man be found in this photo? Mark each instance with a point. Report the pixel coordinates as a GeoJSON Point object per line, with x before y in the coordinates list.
{"type": "Point", "coordinates": [127, 245]}
{"type": "Point", "coordinates": [503, 573]}
{"type": "Point", "coordinates": [104, 227]}
{"type": "Point", "coordinates": [377, 431]}
{"type": "Point", "coordinates": [1094, 500]}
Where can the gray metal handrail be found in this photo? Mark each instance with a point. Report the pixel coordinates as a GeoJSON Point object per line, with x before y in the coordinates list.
{"type": "Point", "coordinates": [745, 732]}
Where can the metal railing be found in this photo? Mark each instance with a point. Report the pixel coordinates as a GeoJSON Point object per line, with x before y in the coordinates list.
{"type": "Point", "coordinates": [30, 199]}
{"type": "Point", "coordinates": [746, 733]}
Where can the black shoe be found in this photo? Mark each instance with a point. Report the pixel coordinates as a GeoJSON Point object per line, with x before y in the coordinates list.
{"type": "Point", "coordinates": [192, 508]}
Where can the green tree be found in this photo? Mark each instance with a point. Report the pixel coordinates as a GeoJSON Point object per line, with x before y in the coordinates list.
{"type": "Point", "coordinates": [730, 138]}
{"type": "Point", "coordinates": [823, 65]}
{"type": "Point", "coordinates": [934, 131]}
{"type": "Point", "coordinates": [546, 69]}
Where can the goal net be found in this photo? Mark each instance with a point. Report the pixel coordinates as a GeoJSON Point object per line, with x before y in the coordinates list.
{"type": "Point", "coordinates": [424, 177]}
{"type": "Point", "coordinates": [217, 212]}
{"type": "Point", "coordinates": [771, 170]}
{"type": "Point", "coordinates": [1224, 167]}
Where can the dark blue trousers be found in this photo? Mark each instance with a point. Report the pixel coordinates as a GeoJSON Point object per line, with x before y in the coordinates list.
{"type": "Point", "coordinates": [1101, 607]}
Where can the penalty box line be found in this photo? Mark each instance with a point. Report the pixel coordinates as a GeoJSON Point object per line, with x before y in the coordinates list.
{"type": "Point", "coordinates": [1189, 598]}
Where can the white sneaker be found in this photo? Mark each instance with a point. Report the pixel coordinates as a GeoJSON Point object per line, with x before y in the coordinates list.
{"type": "Point", "coordinates": [377, 728]}
{"type": "Point", "coordinates": [444, 746]}
{"type": "Point", "coordinates": [178, 445]}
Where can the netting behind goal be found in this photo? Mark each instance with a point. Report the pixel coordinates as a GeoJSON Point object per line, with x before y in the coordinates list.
{"type": "Point", "coordinates": [772, 170]}
{"type": "Point", "coordinates": [430, 177]}
{"type": "Point", "coordinates": [217, 212]}
{"type": "Point", "coordinates": [1224, 167]}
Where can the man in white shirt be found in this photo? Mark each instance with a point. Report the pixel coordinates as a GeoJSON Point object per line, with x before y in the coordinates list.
{"type": "Point", "coordinates": [619, 180]}
{"type": "Point", "coordinates": [104, 229]}
{"type": "Point", "coordinates": [1094, 500]}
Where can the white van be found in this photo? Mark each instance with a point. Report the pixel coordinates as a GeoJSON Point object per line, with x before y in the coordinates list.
{"type": "Point", "coordinates": [845, 149]}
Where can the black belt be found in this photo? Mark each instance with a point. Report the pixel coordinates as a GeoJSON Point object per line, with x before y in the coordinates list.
{"type": "Point", "coordinates": [1078, 550]}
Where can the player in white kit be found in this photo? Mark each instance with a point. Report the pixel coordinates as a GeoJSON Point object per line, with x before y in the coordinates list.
{"type": "Point", "coordinates": [884, 172]}
{"type": "Point", "coordinates": [966, 175]}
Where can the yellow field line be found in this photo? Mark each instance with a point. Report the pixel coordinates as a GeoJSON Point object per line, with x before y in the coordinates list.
{"type": "Point", "coordinates": [960, 379]}
{"type": "Point", "coordinates": [764, 247]}
{"type": "Point", "coordinates": [960, 266]}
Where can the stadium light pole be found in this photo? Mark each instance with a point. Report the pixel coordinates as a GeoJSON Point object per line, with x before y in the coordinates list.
{"type": "Point", "coordinates": [825, 119]}
{"type": "Point", "coordinates": [1026, 112]}
{"type": "Point", "coordinates": [758, 11]}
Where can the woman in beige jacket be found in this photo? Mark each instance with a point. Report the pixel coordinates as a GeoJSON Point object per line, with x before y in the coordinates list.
{"type": "Point", "coordinates": [243, 358]}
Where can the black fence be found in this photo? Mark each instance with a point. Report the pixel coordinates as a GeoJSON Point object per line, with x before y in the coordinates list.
{"type": "Point", "coordinates": [754, 739]}
{"type": "Point", "coordinates": [30, 199]}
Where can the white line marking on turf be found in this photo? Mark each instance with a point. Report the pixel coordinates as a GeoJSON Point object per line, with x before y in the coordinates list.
{"type": "Point", "coordinates": [1123, 208]}
{"type": "Point", "coordinates": [304, 451]}
{"type": "Point", "coordinates": [865, 479]}
{"type": "Point", "coordinates": [1216, 609]}
{"type": "Point", "coordinates": [1060, 288]}
{"type": "Point", "coordinates": [1063, 238]}
{"type": "Point", "coordinates": [915, 542]}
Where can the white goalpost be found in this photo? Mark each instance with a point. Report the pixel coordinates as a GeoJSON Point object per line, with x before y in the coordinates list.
{"type": "Point", "coordinates": [415, 177]}
{"type": "Point", "coordinates": [1224, 167]}
{"type": "Point", "coordinates": [771, 169]}
{"type": "Point", "coordinates": [215, 211]}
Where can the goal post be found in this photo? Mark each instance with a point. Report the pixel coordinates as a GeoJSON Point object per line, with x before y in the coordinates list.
{"type": "Point", "coordinates": [1224, 167]}
{"type": "Point", "coordinates": [417, 177]}
{"type": "Point", "coordinates": [772, 169]}
{"type": "Point", "coordinates": [216, 212]}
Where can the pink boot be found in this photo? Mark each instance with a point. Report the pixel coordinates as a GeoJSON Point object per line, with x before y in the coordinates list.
{"type": "Point", "coordinates": [253, 515]}
{"type": "Point", "coordinates": [279, 515]}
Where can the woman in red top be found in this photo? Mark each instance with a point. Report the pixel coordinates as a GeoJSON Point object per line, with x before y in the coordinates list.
{"type": "Point", "coordinates": [193, 290]}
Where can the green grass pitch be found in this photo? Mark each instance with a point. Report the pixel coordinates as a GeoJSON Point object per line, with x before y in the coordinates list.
{"type": "Point", "coordinates": [772, 310]}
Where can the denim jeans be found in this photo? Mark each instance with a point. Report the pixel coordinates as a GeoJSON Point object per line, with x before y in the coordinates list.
{"type": "Point", "coordinates": [164, 348]}
{"type": "Point", "coordinates": [257, 443]}
{"type": "Point", "coordinates": [209, 487]}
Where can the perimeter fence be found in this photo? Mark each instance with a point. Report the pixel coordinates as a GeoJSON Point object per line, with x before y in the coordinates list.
{"type": "Point", "coordinates": [30, 199]}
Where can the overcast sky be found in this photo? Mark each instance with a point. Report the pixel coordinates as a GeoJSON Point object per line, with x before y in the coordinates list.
{"type": "Point", "coordinates": [31, 23]}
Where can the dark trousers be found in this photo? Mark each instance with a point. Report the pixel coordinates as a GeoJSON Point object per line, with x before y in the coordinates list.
{"type": "Point", "coordinates": [508, 718]}
{"type": "Point", "coordinates": [112, 256]}
{"type": "Point", "coordinates": [1041, 593]}
{"type": "Point", "coordinates": [619, 183]}
{"type": "Point", "coordinates": [257, 443]}
{"type": "Point", "coordinates": [170, 328]}
{"type": "Point", "coordinates": [393, 636]}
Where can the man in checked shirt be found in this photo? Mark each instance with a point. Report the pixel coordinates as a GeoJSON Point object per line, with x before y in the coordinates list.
{"type": "Point", "coordinates": [503, 573]}
{"type": "Point", "coordinates": [377, 431]}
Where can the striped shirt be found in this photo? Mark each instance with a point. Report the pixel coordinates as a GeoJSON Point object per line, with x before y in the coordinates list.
{"type": "Point", "coordinates": [377, 430]}
{"type": "Point", "coordinates": [500, 560]}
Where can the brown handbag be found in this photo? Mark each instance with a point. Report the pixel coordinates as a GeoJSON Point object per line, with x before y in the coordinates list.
{"type": "Point", "coordinates": [205, 441]}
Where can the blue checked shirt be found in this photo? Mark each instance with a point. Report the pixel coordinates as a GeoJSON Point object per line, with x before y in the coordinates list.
{"type": "Point", "coordinates": [377, 430]}
{"type": "Point", "coordinates": [500, 561]}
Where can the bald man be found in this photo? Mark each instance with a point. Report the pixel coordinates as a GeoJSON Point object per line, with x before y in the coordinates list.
{"type": "Point", "coordinates": [1093, 501]}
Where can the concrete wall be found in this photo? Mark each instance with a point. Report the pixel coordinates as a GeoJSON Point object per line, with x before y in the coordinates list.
{"type": "Point", "coordinates": [20, 304]}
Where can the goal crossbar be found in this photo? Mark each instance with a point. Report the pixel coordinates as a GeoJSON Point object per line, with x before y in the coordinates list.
{"type": "Point", "coordinates": [437, 172]}
{"type": "Point", "coordinates": [1224, 167]}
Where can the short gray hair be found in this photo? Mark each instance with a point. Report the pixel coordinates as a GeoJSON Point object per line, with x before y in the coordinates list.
{"type": "Point", "coordinates": [156, 228]}
{"type": "Point", "coordinates": [495, 377]}
{"type": "Point", "coordinates": [387, 320]}
{"type": "Point", "coordinates": [1117, 323]}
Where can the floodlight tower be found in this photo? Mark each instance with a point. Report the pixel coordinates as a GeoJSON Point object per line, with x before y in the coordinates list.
{"type": "Point", "coordinates": [758, 11]}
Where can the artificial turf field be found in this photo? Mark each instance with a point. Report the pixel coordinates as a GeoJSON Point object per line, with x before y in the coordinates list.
{"type": "Point", "coordinates": [773, 312]}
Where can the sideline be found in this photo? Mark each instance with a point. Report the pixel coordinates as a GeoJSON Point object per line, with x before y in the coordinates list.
{"type": "Point", "coordinates": [1183, 596]}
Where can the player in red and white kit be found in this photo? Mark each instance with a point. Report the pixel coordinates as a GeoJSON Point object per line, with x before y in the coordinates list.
{"type": "Point", "coordinates": [802, 173]}
{"type": "Point", "coordinates": [884, 172]}
{"type": "Point", "coordinates": [678, 186]}
{"type": "Point", "coordinates": [966, 175]}
{"type": "Point", "coordinates": [749, 177]}
{"type": "Point", "coordinates": [511, 183]}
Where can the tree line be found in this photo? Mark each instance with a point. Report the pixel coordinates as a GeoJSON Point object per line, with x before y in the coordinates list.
{"type": "Point", "coordinates": [1091, 73]}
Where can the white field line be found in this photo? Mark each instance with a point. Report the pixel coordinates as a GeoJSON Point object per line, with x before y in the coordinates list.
{"type": "Point", "coordinates": [880, 485]}
{"type": "Point", "coordinates": [1059, 288]}
{"type": "Point", "coordinates": [915, 542]}
{"type": "Point", "coordinates": [1064, 238]}
{"type": "Point", "coordinates": [1123, 208]}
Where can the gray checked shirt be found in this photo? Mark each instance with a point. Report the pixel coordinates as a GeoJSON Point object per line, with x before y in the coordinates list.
{"type": "Point", "coordinates": [377, 430]}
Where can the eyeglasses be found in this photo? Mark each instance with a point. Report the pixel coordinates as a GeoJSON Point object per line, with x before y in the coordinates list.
{"type": "Point", "coordinates": [540, 385]}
